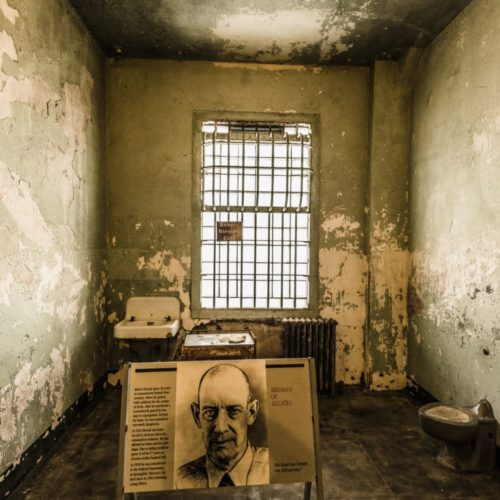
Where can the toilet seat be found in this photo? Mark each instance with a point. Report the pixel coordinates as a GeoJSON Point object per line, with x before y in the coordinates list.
{"type": "Point", "coordinates": [449, 423]}
{"type": "Point", "coordinates": [449, 414]}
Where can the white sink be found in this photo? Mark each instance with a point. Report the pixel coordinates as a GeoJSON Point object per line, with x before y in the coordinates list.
{"type": "Point", "coordinates": [146, 329]}
{"type": "Point", "coordinates": [149, 318]}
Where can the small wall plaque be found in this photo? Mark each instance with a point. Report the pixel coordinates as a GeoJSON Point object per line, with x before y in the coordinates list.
{"type": "Point", "coordinates": [229, 231]}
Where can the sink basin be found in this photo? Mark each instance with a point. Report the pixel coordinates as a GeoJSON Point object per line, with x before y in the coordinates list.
{"type": "Point", "coordinates": [149, 318]}
{"type": "Point", "coordinates": [146, 329]}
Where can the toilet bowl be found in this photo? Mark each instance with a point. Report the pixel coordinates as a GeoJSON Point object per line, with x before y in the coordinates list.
{"type": "Point", "coordinates": [468, 433]}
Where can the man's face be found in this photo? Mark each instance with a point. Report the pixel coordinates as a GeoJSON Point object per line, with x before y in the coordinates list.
{"type": "Point", "coordinates": [223, 414]}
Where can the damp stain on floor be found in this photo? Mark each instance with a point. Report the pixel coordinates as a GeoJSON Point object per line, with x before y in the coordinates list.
{"type": "Point", "coordinates": [371, 448]}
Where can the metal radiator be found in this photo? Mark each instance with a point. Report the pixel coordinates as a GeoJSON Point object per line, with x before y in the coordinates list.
{"type": "Point", "coordinates": [314, 338]}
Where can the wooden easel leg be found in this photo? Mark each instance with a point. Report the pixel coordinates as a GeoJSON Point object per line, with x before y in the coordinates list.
{"type": "Point", "coordinates": [123, 420]}
{"type": "Point", "coordinates": [307, 491]}
{"type": "Point", "coordinates": [314, 400]}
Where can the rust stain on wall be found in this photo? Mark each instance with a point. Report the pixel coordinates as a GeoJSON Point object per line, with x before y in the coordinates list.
{"type": "Point", "coordinates": [343, 280]}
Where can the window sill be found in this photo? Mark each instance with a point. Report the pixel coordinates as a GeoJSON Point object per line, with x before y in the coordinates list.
{"type": "Point", "coordinates": [249, 314]}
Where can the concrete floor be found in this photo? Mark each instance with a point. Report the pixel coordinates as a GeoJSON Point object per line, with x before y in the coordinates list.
{"type": "Point", "coordinates": [371, 448]}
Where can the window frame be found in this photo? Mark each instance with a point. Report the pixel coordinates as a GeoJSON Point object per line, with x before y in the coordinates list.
{"type": "Point", "coordinates": [197, 312]}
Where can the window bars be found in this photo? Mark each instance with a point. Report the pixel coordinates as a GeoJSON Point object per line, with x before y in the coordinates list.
{"type": "Point", "coordinates": [255, 221]}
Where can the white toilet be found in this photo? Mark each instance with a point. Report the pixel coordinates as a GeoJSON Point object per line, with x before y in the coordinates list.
{"type": "Point", "coordinates": [468, 433]}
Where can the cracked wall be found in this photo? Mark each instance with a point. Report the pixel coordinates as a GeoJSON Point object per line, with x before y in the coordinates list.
{"type": "Point", "coordinates": [52, 224]}
{"type": "Point", "coordinates": [386, 347]}
{"type": "Point", "coordinates": [454, 338]}
{"type": "Point", "coordinates": [149, 145]}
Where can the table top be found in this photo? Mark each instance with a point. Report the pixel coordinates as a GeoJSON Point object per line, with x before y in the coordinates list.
{"type": "Point", "coordinates": [221, 339]}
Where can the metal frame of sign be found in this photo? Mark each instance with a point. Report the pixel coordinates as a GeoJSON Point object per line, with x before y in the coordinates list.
{"type": "Point", "coordinates": [120, 486]}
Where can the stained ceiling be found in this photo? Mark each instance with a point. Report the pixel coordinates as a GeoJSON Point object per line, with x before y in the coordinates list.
{"type": "Point", "coordinates": [266, 31]}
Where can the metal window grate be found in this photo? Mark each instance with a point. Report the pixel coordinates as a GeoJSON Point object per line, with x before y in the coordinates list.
{"type": "Point", "coordinates": [255, 198]}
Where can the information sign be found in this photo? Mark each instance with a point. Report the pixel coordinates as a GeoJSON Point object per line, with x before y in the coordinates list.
{"type": "Point", "coordinates": [206, 424]}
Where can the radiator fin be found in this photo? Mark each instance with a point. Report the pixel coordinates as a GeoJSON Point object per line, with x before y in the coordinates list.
{"type": "Point", "coordinates": [314, 338]}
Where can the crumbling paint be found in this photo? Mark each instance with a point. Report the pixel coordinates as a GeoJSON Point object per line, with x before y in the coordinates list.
{"type": "Point", "coordinates": [389, 235]}
{"type": "Point", "coordinates": [32, 91]}
{"type": "Point", "coordinates": [268, 67]}
{"type": "Point", "coordinates": [454, 338]}
{"type": "Point", "coordinates": [113, 317]}
{"type": "Point", "coordinates": [471, 278]}
{"type": "Point", "coordinates": [5, 285]}
{"type": "Point", "coordinates": [276, 34]}
{"type": "Point", "coordinates": [99, 299]}
{"type": "Point", "coordinates": [77, 111]}
{"type": "Point", "coordinates": [51, 257]}
{"type": "Point", "coordinates": [390, 295]}
{"type": "Point", "coordinates": [386, 337]}
{"type": "Point", "coordinates": [387, 352]}
{"type": "Point", "coordinates": [38, 388]}
{"type": "Point", "coordinates": [9, 12]}
{"type": "Point", "coordinates": [17, 200]}
{"type": "Point", "coordinates": [87, 379]}
{"type": "Point", "coordinates": [388, 381]}
{"type": "Point", "coordinates": [52, 278]}
{"type": "Point", "coordinates": [289, 31]}
{"type": "Point", "coordinates": [156, 259]}
{"type": "Point", "coordinates": [350, 357]}
{"type": "Point", "coordinates": [276, 39]}
{"type": "Point", "coordinates": [343, 279]}
{"type": "Point", "coordinates": [346, 232]}
{"type": "Point", "coordinates": [174, 271]}
{"type": "Point", "coordinates": [117, 377]}
{"type": "Point", "coordinates": [10, 245]}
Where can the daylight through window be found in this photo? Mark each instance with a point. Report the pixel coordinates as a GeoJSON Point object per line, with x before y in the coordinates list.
{"type": "Point", "coordinates": [255, 220]}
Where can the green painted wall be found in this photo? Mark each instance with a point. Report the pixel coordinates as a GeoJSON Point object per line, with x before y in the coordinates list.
{"type": "Point", "coordinates": [149, 148]}
{"type": "Point", "coordinates": [52, 223]}
{"type": "Point", "coordinates": [454, 340]}
{"type": "Point", "coordinates": [388, 222]}
{"type": "Point", "coordinates": [78, 230]}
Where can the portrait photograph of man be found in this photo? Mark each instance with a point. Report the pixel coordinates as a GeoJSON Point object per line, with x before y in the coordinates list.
{"type": "Point", "coordinates": [221, 431]}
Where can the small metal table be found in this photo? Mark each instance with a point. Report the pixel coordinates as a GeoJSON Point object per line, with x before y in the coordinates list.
{"type": "Point", "coordinates": [221, 344]}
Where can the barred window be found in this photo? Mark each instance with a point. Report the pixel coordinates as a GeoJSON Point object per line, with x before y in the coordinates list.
{"type": "Point", "coordinates": [255, 215]}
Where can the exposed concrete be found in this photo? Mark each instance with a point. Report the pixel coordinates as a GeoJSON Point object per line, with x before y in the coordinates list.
{"type": "Point", "coordinates": [281, 31]}
{"type": "Point", "coordinates": [388, 222]}
{"type": "Point", "coordinates": [52, 270]}
{"type": "Point", "coordinates": [371, 448]}
{"type": "Point", "coordinates": [150, 113]}
{"type": "Point", "coordinates": [454, 340]}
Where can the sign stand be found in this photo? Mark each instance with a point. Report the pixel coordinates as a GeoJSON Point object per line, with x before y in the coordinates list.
{"type": "Point", "coordinates": [291, 390]}
{"type": "Point", "coordinates": [315, 417]}
{"type": "Point", "coordinates": [307, 490]}
{"type": "Point", "coordinates": [121, 446]}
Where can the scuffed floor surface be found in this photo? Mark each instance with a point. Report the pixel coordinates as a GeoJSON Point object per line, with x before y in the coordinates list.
{"type": "Point", "coordinates": [371, 447]}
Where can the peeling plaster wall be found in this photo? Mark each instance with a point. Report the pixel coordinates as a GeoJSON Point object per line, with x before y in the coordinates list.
{"type": "Point", "coordinates": [388, 222]}
{"type": "Point", "coordinates": [149, 145]}
{"type": "Point", "coordinates": [454, 340]}
{"type": "Point", "coordinates": [52, 224]}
